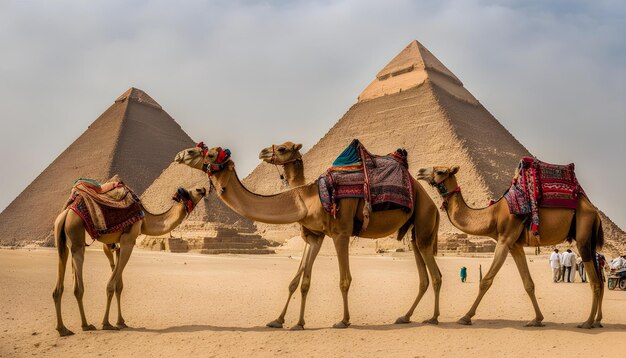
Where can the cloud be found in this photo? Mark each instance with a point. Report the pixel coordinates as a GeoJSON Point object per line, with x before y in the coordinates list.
{"type": "Point", "coordinates": [551, 72]}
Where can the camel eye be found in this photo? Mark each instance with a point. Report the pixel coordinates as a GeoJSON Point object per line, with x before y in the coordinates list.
{"type": "Point", "coordinates": [281, 149]}
{"type": "Point", "coordinates": [190, 151]}
{"type": "Point", "coordinates": [198, 190]}
{"type": "Point", "coordinates": [439, 172]}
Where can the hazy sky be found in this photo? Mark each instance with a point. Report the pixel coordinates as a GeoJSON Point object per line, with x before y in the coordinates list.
{"type": "Point", "coordinates": [244, 74]}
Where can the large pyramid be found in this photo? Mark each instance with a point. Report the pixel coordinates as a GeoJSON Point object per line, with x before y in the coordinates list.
{"type": "Point", "coordinates": [134, 138]}
{"type": "Point", "coordinates": [417, 103]}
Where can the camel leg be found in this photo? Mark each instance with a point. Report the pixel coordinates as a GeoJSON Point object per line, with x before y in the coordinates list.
{"type": "Point", "coordinates": [598, 322]}
{"type": "Point", "coordinates": [127, 243]}
{"type": "Point", "coordinates": [109, 255]}
{"type": "Point", "coordinates": [435, 275]}
{"type": "Point", "coordinates": [423, 283]}
{"type": "Point", "coordinates": [78, 257]}
{"type": "Point", "coordinates": [517, 251]}
{"type": "Point", "coordinates": [342, 244]}
{"type": "Point", "coordinates": [58, 290]}
{"type": "Point", "coordinates": [498, 260]}
{"type": "Point", "coordinates": [119, 286]}
{"type": "Point", "coordinates": [278, 322]}
{"type": "Point", "coordinates": [596, 290]}
{"type": "Point", "coordinates": [316, 244]}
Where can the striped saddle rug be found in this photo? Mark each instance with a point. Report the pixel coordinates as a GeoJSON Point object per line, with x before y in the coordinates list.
{"type": "Point", "coordinates": [383, 181]}
{"type": "Point", "coordinates": [104, 208]}
{"type": "Point", "coordinates": [542, 185]}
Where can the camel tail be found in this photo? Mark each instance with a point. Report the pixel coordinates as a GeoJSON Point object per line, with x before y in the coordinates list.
{"type": "Point", "coordinates": [60, 239]}
{"type": "Point", "coordinates": [598, 233]}
{"type": "Point", "coordinates": [404, 229]}
{"type": "Point", "coordinates": [436, 234]}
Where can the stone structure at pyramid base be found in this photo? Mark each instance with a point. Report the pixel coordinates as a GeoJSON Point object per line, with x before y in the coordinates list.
{"type": "Point", "coordinates": [209, 238]}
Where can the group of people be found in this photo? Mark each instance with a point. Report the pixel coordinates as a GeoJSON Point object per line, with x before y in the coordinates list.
{"type": "Point", "coordinates": [562, 265]}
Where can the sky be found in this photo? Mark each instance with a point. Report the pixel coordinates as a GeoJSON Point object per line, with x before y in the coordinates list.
{"type": "Point", "coordinates": [245, 74]}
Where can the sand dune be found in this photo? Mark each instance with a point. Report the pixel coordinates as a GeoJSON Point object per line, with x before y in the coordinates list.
{"type": "Point", "coordinates": [199, 305]}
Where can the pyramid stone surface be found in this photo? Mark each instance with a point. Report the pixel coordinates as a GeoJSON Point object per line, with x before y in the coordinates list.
{"type": "Point", "coordinates": [134, 138]}
{"type": "Point", "coordinates": [415, 102]}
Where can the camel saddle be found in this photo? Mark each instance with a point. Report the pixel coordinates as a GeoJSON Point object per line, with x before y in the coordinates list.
{"type": "Point", "coordinates": [383, 181]}
{"type": "Point", "coordinates": [537, 184]}
{"type": "Point", "coordinates": [104, 208]}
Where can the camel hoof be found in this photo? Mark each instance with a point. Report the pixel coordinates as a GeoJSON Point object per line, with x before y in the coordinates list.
{"type": "Point", "coordinates": [465, 321]}
{"type": "Point", "coordinates": [535, 323]}
{"type": "Point", "coordinates": [89, 327]}
{"type": "Point", "coordinates": [64, 332]}
{"type": "Point", "coordinates": [341, 325]}
{"type": "Point", "coordinates": [121, 325]}
{"type": "Point", "coordinates": [403, 320]}
{"type": "Point", "coordinates": [275, 324]}
{"type": "Point", "coordinates": [431, 321]}
{"type": "Point", "coordinates": [597, 324]}
{"type": "Point", "coordinates": [585, 325]}
{"type": "Point", "coordinates": [297, 327]}
{"type": "Point", "coordinates": [109, 327]}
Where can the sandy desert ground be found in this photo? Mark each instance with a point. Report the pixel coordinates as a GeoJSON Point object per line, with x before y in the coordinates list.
{"type": "Point", "coordinates": [200, 305]}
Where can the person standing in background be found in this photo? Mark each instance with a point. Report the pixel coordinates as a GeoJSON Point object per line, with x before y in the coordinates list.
{"type": "Point", "coordinates": [567, 265]}
{"type": "Point", "coordinates": [555, 264]}
{"type": "Point", "coordinates": [581, 269]}
{"type": "Point", "coordinates": [463, 273]}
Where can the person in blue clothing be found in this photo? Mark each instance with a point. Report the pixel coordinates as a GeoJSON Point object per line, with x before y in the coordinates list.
{"type": "Point", "coordinates": [463, 273]}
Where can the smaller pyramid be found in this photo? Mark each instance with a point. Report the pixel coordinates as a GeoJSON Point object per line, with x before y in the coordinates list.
{"type": "Point", "coordinates": [134, 138]}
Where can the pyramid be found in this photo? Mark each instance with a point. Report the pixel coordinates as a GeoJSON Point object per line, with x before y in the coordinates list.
{"type": "Point", "coordinates": [417, 103]}
{"type": "Point", "coordinates": [134, 138]}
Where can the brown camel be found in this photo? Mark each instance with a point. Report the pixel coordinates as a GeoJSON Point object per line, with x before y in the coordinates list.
{"type": "Point", "coordinates": [302, 205]}
{"type": "Point", "coordinates": [288, 156]}
{"type": "Point", "coordinates": [511, 235]}
{"type": "Point", "coordinates": [69, 231]}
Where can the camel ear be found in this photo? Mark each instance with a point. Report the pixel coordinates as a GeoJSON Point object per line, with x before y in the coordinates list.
{"type": "Point", "coordinates": [454, 170]}
{"type": "Point", "coordinates": [297, 146]}
{"type": "Point", "coordinates": [231, 165]}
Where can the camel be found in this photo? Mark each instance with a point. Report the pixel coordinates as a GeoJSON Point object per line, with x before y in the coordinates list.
{"type": "Point", "coordinates": [511, 235]}
{"type": "Point", "coordinates": [69, 232]}
{"type": "Point", "coordinates": [288, 156]}
{"type": "Point", "coordinates": [302, 205]}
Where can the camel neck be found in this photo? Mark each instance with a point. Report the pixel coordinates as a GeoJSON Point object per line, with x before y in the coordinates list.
{"type": "Point", "coordinates": [284, 208]}
{"type": "Point", "coordinates": [294, 173]}
{"type": "Point", "coordinates": [161, 224]}
{"type": "Point", "coordinates": [469, 220]}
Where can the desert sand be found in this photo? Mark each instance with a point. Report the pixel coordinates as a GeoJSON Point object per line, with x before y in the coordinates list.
{"type": "Point", "coordinates": [203, 305]}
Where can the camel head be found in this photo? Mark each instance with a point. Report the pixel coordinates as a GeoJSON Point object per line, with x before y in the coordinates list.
{"type": "Point", "coordinates": [194, 157]}
{"type": "Point", "coordinates": [211, 161]}
{"type": "Point", "coordinates": [280, 154]}
{"type": "Point", "coordinates": [189, 198]}
{"type": "Point", "coordinates": [440, 177]}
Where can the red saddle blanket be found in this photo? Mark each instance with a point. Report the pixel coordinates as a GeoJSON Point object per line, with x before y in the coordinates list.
{"type": "Point", "coordinates": [542, 185]}
{"type": "Point", "coordinates": [105, 208]}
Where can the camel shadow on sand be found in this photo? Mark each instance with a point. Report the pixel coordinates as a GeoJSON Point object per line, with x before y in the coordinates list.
{"type": "Point", "coordinates": [478, 324]}
{"type": "Point", "coordinates": [500, 324]}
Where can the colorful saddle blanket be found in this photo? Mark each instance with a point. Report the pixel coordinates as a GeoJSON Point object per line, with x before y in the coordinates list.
{"type": "Point", "coordinates": [104, 208]}
{"type": "Point", "coordinates": [383, 181]}
{"type": "Point", "coordinates": [541, 185]}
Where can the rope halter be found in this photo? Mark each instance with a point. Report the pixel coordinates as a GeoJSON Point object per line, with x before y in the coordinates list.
{"type": "Point", "coordinates": [443, 191]}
